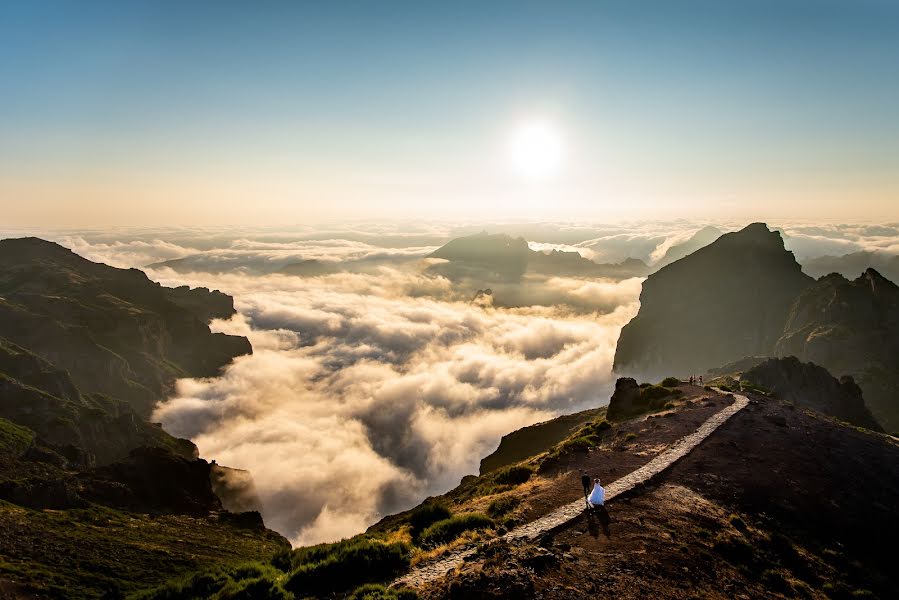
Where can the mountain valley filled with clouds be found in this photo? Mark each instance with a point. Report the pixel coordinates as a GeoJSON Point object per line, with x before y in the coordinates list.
{"type": "Point", "coordinates": [376, 381]}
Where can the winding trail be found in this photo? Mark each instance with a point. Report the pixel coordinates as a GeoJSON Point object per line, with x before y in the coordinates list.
{"type": "Point", "coordinates": [562, 515]}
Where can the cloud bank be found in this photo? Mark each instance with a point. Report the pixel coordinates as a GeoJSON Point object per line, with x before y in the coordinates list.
{"type": "Point", "coordinates": [379, 384]}
{"type": "Point", "coordinates": [367, 393]}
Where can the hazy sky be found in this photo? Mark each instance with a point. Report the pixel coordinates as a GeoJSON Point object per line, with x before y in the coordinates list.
{"type": "Point", "coordinates": [276, 113]}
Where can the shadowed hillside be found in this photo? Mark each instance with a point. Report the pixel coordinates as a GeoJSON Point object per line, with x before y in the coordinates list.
{"type": "Point", "coordinates": [95, 502]}
{"type": "Point", "coordinates": [115, 331]}
{"type": "Point", "coordinates": [852, 328]}
{"type": "Point", "coordinates": [725, 301]}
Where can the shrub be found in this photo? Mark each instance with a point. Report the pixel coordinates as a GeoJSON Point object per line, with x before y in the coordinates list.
{"type": "Point", "coordinates": [374, 591]}
{"type": "Point", "coordinates": [737, 522]}
{"type": "Point", "coordinates": [774, 580]}
{"type": "Point", "coordinates": [447, 530]}
{"type": "Point", "coordinates": [670, 382]}
{"type": "Point", "coordinates": [513, 475]}
{"type": "Point", "coordinates": [250, 581]}
{"type": "Point", "coordinates": [334, 567]}
{"type": "Point", "coordinates": [427, 514]}
{"type": "Point", "coordinates": [630, 437]}
{"type": "Point", "coordinates": [653, 392]}
{"type": "Point", "coordinates": [502, 505]}
{"type": "Point", "coordinates": [254, 589]}
{"type": "Point", "coordinates": [669, 405]}
{"type": "Point", "coordinates": [578, 444]}
{"type": "Point", "coordinates": [735, 550]}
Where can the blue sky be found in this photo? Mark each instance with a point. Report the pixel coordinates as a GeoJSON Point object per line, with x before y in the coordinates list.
{"type": "Point", "coordinates": [180, 112]}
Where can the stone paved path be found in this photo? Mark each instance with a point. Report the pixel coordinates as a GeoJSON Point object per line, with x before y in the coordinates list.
{"type": "Point", "coordinates": [436, 569]}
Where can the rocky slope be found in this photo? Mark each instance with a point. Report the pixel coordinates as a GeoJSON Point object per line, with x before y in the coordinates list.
{"type": "Point", "coordinates": [778, 503]}
{"type": "Point", "coordinates": [725, 301]}
{"type": "Point", "coordinates": [527, 441]}
{"type": "Point", "coordinates": [810, 385]}
{"type": "Point", "coordinates": [88, 428]}
{"type": "Point", "coordinates": [116, 332]}
{"type": "Point", "coordinates": [95, 501]}
{"type": "Point", "coordinates": [852, 328]}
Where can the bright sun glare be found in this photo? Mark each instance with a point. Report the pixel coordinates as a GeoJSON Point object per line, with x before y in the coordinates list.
{"type": "Point", "coordinates": [535, 150]}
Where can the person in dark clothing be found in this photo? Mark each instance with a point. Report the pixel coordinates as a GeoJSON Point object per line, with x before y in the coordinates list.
{"type": "Point", "coordinates": [588, 485]}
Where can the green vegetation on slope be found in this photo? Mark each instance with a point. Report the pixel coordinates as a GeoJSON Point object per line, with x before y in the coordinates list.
{"type": "Point", "coordinates": [86, 553]}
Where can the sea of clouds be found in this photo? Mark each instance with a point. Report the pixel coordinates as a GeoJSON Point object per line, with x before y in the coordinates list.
{"type": "Point", "coordinates": [381, 383]}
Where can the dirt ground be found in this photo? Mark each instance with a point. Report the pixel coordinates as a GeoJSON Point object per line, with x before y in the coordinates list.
{"type": "Point", "coordinates": [617, 457]}
{"type": "Point", "coordinates": [777, 503]}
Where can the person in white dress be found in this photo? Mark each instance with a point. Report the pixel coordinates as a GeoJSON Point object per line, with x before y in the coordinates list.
{"type": "Point", "coordinates": [598, 495]}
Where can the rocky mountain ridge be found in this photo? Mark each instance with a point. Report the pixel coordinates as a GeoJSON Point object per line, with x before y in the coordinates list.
{"type": "Point", "coordinates": [727, 300]}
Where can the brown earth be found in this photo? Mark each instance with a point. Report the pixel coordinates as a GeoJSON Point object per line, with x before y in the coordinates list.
{"type": "Point", "coordinates": [779, 502]}
{"type": "Point", "coordinates": [627, 446]}
{"type": "Point", "coordinates": [617, 456]}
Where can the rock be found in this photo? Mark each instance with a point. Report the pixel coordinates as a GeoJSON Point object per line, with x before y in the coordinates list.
{"type": "Point", "coordinates": [778, 420]}
{"type": "Point", "coordinates": [153, 480]}
{"type": "Point", "coordinates": [624, 399]}
{"type": "Point", "coordinates": [114, 331]}
{"type": "Point", "coordinates": [851, 328]}
{"type": "Point", "coordinates": [695, 314]}
{"type": "Point", "coordinates": [812, 386]}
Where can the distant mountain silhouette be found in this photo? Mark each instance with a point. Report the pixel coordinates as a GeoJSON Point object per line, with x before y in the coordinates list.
{"type": "Point", "coordinates": [852, 328]}
{"type": "Point", "coordinates": [310, 268]}
{"type": "Point", "coordinates": [501, 257]}
{"type": "Point", "coordinates": [700, 239]}
{"type": "Point", "coordinates": [727, 300]}
{"type": "Point", "coordinates": [850, 265]}
{"type": "Point", "coordinates": [116, 332]}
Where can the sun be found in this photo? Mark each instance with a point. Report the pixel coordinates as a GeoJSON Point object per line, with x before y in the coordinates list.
{"type": "Point", "coordinates": [536, 150]}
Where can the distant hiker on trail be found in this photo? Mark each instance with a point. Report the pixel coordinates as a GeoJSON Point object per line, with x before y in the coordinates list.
{"type": "Point", "coordinates": [585, 481]}
{"type": "Point", "coordinates": [597, 496]}
{"type": "Point", "coordinates": [700, 380]}
{"type": "Point", "coordinates": [691, 380]}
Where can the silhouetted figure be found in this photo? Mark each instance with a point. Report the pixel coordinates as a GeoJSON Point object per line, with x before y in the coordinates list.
{"type": "Point", "coordinates": [700, 380]}
{"type": "Point", "coordinates": [691, 380]}
{"type": "Point", "coordinates": [585, 481]}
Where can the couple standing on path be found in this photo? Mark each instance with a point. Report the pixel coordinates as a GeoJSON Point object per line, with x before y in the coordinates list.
{"type": "Point", "coordinates": [595, 498]}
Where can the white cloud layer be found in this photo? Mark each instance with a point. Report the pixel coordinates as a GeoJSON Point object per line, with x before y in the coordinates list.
{"type": "Point", "coordinates": [367, 393]}
{"type": "Point", "coordinates": [372, 388]}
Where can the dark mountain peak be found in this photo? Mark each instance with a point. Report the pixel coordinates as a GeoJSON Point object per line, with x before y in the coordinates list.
{"type": "Point", "coordinates": [833, 279]}
{"type": "Point", "coordinates": [695, 313]}
{"type": "Point", "coordinates": [877, 281]}
{"type": "Point", "coordinates": [30, 248]}
{"type": "Point", "coordinates": [754, 233]}
{"type": "Point", "coordinates": [481, 247]}
{"type": "Point", "coordinates": [851, 328]}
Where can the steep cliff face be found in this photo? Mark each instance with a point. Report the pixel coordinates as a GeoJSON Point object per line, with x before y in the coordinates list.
{"type": "Point", "coordinates": [852, 328]}
{"type": "Point", "coordinates": [725, 301]}
{"type": "Point", "coordinates": [808, 384]}
{"type": "Point", "coordinates": [534, 439]}
{"type": "Point", "coordinates": [116, 332]}
{"type": "Point", "coordinates": [86, 429]}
